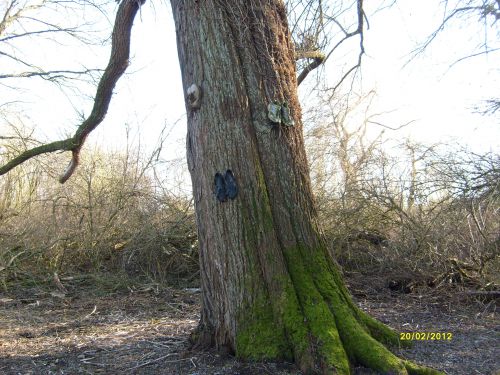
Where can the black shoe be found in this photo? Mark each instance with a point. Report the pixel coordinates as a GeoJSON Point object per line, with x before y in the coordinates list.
{"type": "Point", "coordinates": [220, 187]}
{"type": "Point", "coordinates": [231, 187]}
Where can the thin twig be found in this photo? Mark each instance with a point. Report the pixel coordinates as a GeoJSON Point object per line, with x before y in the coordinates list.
{"type": "Point", "coordinates": [157, 360]}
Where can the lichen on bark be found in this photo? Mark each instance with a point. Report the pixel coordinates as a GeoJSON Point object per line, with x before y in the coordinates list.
{"type": "Point", "coordinates": [270, 288]}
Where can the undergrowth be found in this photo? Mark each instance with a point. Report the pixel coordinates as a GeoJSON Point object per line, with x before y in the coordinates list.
{"type": "Point", "coordinates": [423, 219]}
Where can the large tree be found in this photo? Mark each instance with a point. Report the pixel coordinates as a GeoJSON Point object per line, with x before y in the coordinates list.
{"type": "Point", "coordinates": [270, 287]}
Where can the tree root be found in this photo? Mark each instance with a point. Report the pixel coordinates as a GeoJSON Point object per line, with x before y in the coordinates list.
{"type": "Point", "coordinates": [340, 333]}
{"type": "Point", "coordinates": [314, 322]}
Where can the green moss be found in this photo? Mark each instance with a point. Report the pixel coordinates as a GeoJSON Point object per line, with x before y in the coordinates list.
{"type": "Point", "coordinates": [314, 323]}
{"type": "Point", "coordinates": [319, 318]}
{"type": "Point", "coordinates": [330, 284]}
{"type": "Point", "coordinates": [381, 332]}
{"type": "Point", "coordinates": [258, 336]}
{"type": "Point", "coordinates": [368, 351]}
{"type": "Point", "coordinates": [356, 340]}
{"type": "Point", "coordinates": [294, 324]}
{"type": "Point", "coordinates": [414, 369]}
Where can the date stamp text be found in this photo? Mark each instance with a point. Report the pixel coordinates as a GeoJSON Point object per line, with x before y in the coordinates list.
{"type": "Point", "coordinates": [425, 336]}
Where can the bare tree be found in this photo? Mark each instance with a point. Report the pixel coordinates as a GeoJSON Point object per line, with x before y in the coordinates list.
{"type": "Point", "coordinates": [118, 62]}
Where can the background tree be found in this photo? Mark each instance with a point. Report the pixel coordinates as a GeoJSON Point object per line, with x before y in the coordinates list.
{"type": "Point", "coordinates": [118, 62]}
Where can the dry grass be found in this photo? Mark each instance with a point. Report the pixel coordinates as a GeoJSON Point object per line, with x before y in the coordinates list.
{"type": "Point", "coordinates": [427, 217]}
{"type": "Point", "coordinates": [430, 212]}
{"type": "Point", "coordinates": [116, 215]}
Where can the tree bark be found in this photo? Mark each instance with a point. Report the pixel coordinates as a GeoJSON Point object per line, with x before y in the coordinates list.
{"type": "Point", "coordinates": [270, 288]}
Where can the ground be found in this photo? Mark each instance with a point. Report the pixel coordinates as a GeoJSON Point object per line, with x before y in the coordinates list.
{"type": "Point", "coordinates": [141, 328]}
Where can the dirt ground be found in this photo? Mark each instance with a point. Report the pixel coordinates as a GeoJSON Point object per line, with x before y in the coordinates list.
{"type": "Point", "coordinates": [143, 330]}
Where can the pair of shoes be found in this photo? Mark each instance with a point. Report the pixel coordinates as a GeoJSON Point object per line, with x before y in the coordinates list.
{"type": "Point", "coordinates": [280, 113]}
{"type": "Point", "coordinates": [220, 187]}
{"type": "Point", "coordinates": [231, 187]}
{"type": "Point", "coordinates": [225, 186]}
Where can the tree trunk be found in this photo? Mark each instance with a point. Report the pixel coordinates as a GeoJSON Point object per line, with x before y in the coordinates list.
{"type": "Point", "coordinates": [270, 287]}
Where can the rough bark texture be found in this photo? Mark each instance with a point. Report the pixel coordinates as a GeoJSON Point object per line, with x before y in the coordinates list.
{"type": "Point", "coordinates": [270, 287]}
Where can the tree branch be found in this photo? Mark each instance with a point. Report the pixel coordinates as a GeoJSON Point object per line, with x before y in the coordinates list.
{"type": "Point", "coordinates": [358, 31]}
{"type": "Point", "coordinates": [16, 59]}
{"type": "Point", "coordinates": [118, 62]}
{"type": "Point", "coordinates": [49, 75]}
{"type": "Point", "coordinates": [6, 17]}
{"type": "Point", "coordinates": [320, 58]}
{"type": "Point", "coordinates": [482, 8]}
{"type": "Point", "coordinates": [70, 31]}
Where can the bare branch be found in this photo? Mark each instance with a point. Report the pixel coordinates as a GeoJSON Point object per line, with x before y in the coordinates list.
{"type": "Point", "coordinates": [118, 63]}
{"type": "Point", "coordinates": [480, 53]}
{"type": "Point", "coordinates": [65, 145]}
{"type": "Point", "coordinates": [353, 68]}
{"type": "Point", "coordinates": [390, 127]}
{"type": "Point", "coordinates": [17, 59]}
{"type": "Point", "coordinates": [51, 74]}
{"type": "Point", "coordinates": [441, 28]}
{"type": "Point", "coordinates": [9, 17]}
{"type": "Point", "coordinates": [483, 9]}
{"type": "Point", "coordinates": [319, 58]}
{"type": "Point", "coordinates": [21, 20]}
{"type": "Point", "coordinates": [6, 18]}
{"type": "Point", "coordinates": [70, 31]}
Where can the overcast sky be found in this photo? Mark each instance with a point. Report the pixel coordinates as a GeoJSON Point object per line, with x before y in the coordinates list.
{"type": "Point", "coordinates": [439, 98]}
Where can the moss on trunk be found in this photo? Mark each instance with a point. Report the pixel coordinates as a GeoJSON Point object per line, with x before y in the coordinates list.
{"type": "Point", "coordinates": [270, 288]}
{"type": "Point", "coordinates": [319, 326]}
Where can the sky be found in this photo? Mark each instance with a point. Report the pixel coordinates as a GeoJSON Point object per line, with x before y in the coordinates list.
{"type": "Point", "coordinates": [437, 98]}
{"type": "Point", "coordinates": [430, 89]}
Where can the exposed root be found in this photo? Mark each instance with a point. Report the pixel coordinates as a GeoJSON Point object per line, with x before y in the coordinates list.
{"type": "Point", "coordinates": [361, 335]}
{"type": "Point", "coordinates": [320, 320]}
{"type": "Point", "coordinates": [414, 369]}
{"type": "Point", "coordinates": [316, 323]}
